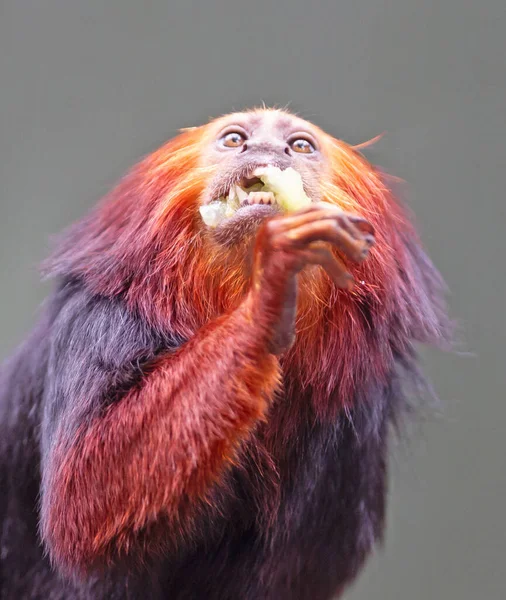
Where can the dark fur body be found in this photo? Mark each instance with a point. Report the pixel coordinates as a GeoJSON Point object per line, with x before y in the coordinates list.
{"type": "Point", "coordinates": [315, 537]}
{"type": "Point", "coordinates": [152, 445]}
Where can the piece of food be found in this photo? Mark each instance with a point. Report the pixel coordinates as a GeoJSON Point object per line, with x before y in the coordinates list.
{"type": "Point", "coordinates": [213, 213]}
{"type": "Point", "coordinates": [285, 185]}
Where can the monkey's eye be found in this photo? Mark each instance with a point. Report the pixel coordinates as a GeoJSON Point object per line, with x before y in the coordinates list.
{"type": "Point", "coordinates": [302, 145]}
{"type": "Point", "coordinates": [233, 139]}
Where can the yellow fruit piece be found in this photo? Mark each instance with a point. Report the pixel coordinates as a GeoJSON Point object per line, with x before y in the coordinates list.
{"type": "Point", "coordinates": [285, 185]}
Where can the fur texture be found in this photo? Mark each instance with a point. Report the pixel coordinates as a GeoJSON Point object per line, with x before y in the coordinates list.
{"type": "Point", "coordinates": [166, 453]}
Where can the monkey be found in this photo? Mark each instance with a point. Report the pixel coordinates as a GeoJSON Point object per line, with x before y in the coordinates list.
{"type": "Point", "coordinates": [204, 412]}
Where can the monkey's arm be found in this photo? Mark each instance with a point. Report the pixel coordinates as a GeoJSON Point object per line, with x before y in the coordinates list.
{"type": "Point", "coordinates": [126, 445]}
{"type": "Point", "coordinates": [126, 448]}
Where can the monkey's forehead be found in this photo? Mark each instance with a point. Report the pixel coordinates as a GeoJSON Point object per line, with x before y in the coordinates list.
{"type": "Point", "coordinates": [264, 118]}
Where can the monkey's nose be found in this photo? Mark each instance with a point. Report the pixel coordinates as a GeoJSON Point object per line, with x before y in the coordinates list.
{"type": "Point", "coordinates": [265, 153]}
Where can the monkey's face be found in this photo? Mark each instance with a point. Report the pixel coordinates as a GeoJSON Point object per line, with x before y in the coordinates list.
{"type": "Point", "coordinates": [241, 143]}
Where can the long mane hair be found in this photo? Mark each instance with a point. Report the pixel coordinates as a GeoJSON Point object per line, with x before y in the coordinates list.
{"type": "Point", "coordinates": [145, 243]}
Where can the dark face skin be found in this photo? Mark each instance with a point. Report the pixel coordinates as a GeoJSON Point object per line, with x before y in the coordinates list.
{"type": "Point", "coordinates": [245, 141]}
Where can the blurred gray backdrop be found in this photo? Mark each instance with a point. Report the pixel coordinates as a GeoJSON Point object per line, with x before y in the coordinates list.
{"type": "Point", "coordinates": [88, 87]}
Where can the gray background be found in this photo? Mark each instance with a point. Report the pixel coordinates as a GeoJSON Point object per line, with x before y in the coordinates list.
{"type": "Point", "coordinates": [86, 88]}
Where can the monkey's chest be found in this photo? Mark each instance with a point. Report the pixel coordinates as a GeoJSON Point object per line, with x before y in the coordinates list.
{"type": "Point", "coordinates": [302, 535]}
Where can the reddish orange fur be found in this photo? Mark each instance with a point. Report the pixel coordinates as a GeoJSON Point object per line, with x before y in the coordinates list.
{"type": "Point", "coordinates": [146, 242]}
{"type": "Point", "coordinates": [178, 280]}
{"type": "Point", "coordinates": [199, 430]}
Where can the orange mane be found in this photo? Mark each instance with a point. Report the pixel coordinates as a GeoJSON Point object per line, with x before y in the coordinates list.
{"type": "Point", "coordinates": [145, 242]}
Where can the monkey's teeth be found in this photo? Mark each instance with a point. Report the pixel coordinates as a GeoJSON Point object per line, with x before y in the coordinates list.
{"type": "Point", "coordinates": [225, 207]}
{"type": "Point", "coordinates": [241, 194]}
{"type": "Point", "coordinates": [266, 198]}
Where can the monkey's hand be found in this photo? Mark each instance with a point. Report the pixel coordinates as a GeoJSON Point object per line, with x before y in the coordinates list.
{"type": "Point", "coordinates": [287, 244]}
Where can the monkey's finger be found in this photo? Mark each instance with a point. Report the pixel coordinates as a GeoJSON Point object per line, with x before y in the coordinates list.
{"type": "Point", "coordinates": [286, 222]}
{"type": "Point", "coordinates": [326, 231]}
{"type": "Point", "coordinates": [333, 265]}
{"type": "Point", "coordinates": [346, 223]}
{"type": "Point", "coordinates": [360, 223]}
{"type": "Point", "coordinates": [330, 208]}
{"type": "Point", "coordinates": [355, 226]}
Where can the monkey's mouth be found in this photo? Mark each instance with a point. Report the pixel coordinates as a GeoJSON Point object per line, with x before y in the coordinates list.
{"type": "Point", "coordinates": [249, 191]}
{"type": "Point", "coordinates": [243, 197]}
{"type": "Point", "coordinates": [261, 192]}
